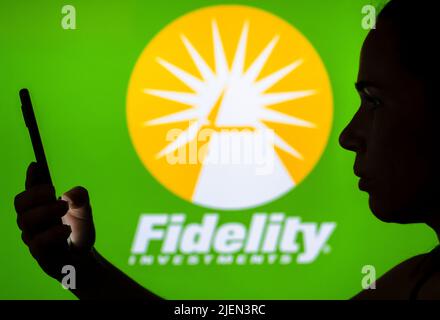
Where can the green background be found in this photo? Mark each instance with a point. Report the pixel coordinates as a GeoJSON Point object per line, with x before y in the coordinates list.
{"type": "Point", "coordinates": [78, 80]}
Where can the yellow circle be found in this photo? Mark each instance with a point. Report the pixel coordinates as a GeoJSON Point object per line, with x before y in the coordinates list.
{"type": "Point", "coordinates": [166, 77]}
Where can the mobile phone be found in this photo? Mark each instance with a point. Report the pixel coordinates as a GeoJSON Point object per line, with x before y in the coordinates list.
{"type": "Point", "coordinates": [31, 123]}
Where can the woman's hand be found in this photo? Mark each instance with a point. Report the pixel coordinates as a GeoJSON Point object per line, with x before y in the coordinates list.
{"type": "Point", "coordinates": [57, 232]}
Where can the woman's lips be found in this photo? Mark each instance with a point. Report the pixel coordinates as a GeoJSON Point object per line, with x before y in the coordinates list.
{"type": "Point", "coordinates": [363, 184]}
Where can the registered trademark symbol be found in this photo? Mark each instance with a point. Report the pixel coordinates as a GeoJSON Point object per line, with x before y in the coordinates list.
{"type": "Point", "coordinates": [326, 249]}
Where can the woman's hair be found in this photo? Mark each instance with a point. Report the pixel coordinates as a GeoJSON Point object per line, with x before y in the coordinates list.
{"type": "Point", "coordinates": [418, 36]}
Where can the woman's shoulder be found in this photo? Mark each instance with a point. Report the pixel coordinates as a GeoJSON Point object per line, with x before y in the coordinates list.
{"type": "Point", "coordinates": [398, 282]}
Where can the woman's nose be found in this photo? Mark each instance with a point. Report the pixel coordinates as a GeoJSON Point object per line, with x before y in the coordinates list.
{"type": "Point", "coordinates": [351, 137]}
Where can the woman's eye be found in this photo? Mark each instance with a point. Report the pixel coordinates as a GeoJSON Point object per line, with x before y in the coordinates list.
{"type": "Point", "coordinates": [371, 101]}
{"type": "Point", "coordinates": [374, 101]}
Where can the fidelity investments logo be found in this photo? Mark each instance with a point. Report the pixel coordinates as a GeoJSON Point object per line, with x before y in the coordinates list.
{"type": "Point", "coordinates": [229, 107]}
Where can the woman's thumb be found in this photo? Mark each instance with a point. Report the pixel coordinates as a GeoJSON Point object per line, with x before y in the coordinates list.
{"type": "Point", "coordinates": [77, 197]}
{"type": "Point", "coordinates": [79, 217]}
{"type": "Point", "coordinates": [79, 203]}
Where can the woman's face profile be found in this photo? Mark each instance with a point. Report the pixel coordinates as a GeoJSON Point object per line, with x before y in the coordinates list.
{"type": "Point", "coordinates": [390, 132]}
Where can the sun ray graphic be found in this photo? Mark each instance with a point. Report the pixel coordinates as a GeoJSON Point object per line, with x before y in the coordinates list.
{"type": "Point", "coordinates": [225, 80]}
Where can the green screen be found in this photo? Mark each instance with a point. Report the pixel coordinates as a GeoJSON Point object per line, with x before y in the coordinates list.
{"type": "Point", "coordinates": [79, 80]}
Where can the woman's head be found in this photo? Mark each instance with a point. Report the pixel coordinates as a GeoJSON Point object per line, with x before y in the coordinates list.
{"type": "Point", "coordinates": [392, 133]}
